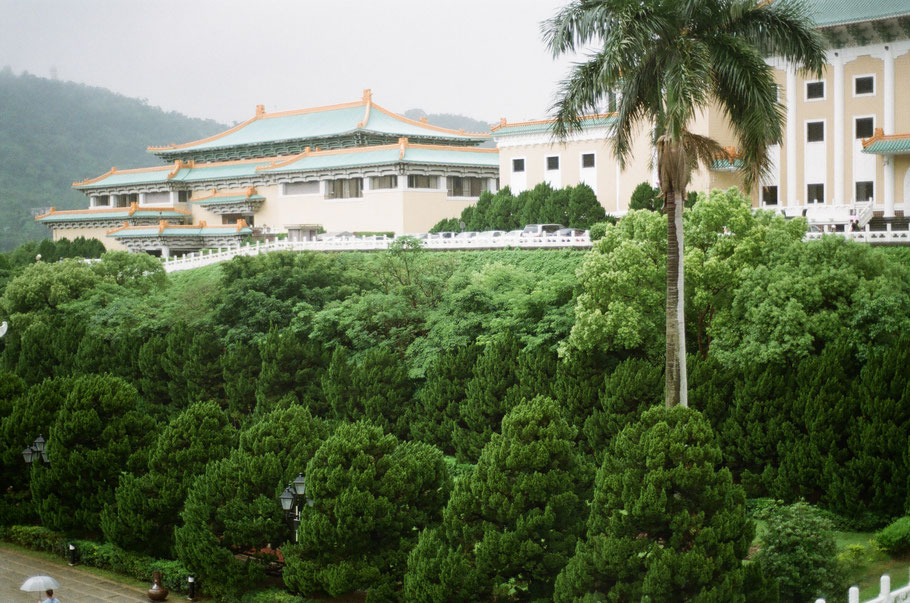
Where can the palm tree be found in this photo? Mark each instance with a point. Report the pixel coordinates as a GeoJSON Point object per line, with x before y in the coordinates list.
{"type": "Point", "coordinates": [663, 61]}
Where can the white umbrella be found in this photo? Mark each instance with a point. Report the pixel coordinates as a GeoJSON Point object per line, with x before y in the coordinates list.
{"type": "Point", "coordinates": [39, 583]}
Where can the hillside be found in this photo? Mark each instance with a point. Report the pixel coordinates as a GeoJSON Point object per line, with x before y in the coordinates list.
{"type": "Point", "coordinates": [455, 122]}
{"type": "Point", "coordinates": [53, 132]}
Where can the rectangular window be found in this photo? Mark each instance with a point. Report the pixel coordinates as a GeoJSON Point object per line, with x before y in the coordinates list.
{"type": "Point", "coordinates": [587, 160]}
{"type": "Point", "coordinates": [164, 197]}
{"type": "Point", "coordinates": [865, 127]}
{"type": "Point", "coordinates": [182, 196]}
{"type": "Point", "coordinates": [815, 193]}
{"type": "Point", "coordinates": [346, 188]}
{"type": "Point", "coordinates": [553, 163]}
{"type": "Point", "coordinates": [421, 181]}
{"type": "Point", "coordinates": [815, 90]}
{"type": "Point", "coordinates": [769, 195]}
{"type": "Point", "coordinates": [102, 201]}
{"type": "Point", "coordinates": [459, 186]}
{"type": "Point", "coordinates": [612, 102]}
{"type": "Point", "coordinates": [864, 84]}
{"type": "Point", "coordinates": [815, 131]}
{"type": "Point", "coordinates": [518, 165]}
{"type": "Point", "coordinates": [301, 188]}
{"type": "Point", "coordinates": [383, 182]}
{"type": "Point", "coordinates": [865, 191]}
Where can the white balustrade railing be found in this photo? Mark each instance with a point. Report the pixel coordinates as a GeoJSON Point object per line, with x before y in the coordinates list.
{"type": "Point", "coordinates": [208, 257]}
{"type": "Point", "coordinates": [885, 594]}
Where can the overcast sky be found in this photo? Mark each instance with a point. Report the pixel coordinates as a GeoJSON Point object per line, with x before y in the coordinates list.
{"type": "Point", "coordinates": [219, 59]}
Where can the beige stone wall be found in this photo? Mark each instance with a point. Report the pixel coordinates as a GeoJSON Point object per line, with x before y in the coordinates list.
{"type": "Point", "coordinates": [110, 243]}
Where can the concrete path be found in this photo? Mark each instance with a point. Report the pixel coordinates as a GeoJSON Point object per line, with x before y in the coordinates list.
{"type": "Point", "coordinates": [76, 585]}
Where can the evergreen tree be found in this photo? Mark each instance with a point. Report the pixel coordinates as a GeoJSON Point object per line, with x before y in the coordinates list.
{"type": "Point", "coordinates": [202, 368]}
{"type": "Point", "coordinates": [153, 379]}
{"type": "Point", "coordinates": [372, 495]}
{"type": "Point", "coordinates": [577, 385]}
{"type": "Point", "coordinates": [513, 524]}
{"type": "Point", "coordinates": [584, 209]}
{"type": "Point", "coordinates": [178, 341]}
{"type": "Point", "coordinates": [146, 507]}
{"type": "Point", "coordinates": [291, 364]}
{"type": "Point", "coordinates": [442, 394]}
{"type": "Point", "coordinates": [632, 388]}
{"type": "Point", "coordinates": [291, 434]}
{"type": "Point", "coordinates": [98, 433]}
{"type": "Point", "coordinates": [667, 523]}
{"type": "Point", "coordinates": [487, 398]}
{"type": "Point", "coordinates": [240, 366]}
{"type": "Point", "coordinates": [232, 508]}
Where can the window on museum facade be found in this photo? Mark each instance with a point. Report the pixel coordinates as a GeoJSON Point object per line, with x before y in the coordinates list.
{"type": "Point", "coordinates": [422, 181]}
{"type": "Point", "coordinates": [815, 131]}
{"type": "Point", "coordinates": [864, 84]}
{"type": "Point", "coordinates": [587, 160]}
{"type": "Point", "coordinates": [301, 188]}
{"type": "Point", "coordinates": [865, 127]}
{"type": "Point", "coordinates": [183, 196]}
{"type": "Point", "coordinates": [553, 163]}
{"type": "Point", "coordinates": [815, 193]}
{"type": "Point", "coordinates": [164, 197]}
{"type": "Point", "coordinates": [459, 186]}
{"type": "Point", "coordinates": [518, 165]}
{"type": "Point", "coordinates": [101, 201]}
{"type": "Point", "coordinates": [344, 188]}
{"type": "Point", "coordinates": [865, 190]}
{"type": "Point", "coordinates": [815, 90]}
{"type": "Point", "coordinates": [769, 195]}
{"type": "Point", "coordinates": [384, 182]}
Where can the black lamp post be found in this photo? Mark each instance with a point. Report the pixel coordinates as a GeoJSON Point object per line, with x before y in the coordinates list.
{"type": "Point", "coordinates": [291, 500]}
{"type": "Point", "coordinates": [35, 451]}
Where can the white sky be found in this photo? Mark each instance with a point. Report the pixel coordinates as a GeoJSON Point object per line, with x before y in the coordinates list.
{"type": "Point", "coordinates": [219, 59]}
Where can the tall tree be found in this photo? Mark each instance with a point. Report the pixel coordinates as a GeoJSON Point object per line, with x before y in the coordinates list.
{"type": "Point", "coordinates": [666, 60]}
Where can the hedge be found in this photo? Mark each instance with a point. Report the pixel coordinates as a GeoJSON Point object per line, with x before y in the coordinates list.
{"type": "Point", "coordinates": [105, 556]}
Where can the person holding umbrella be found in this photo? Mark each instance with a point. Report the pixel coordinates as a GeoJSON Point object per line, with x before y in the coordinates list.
{"type": "Point", "coordinates": [39, 583]}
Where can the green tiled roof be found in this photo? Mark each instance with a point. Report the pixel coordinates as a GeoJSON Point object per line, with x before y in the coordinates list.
{"type": "Point", "coordinates": [387, 156]}
{"type": "Point", "coordinates": [828, 13]}
{"type": "Point", "coordinates": [114, 215]}
{"type": "Point", "coordinates": [889, 146]}
{"type": "Point", "coordinates": [208, 231]}
{"type": "Point", "coordinates": [315, 124]}
{"type": "Point", "coordinates": [546, 126]}
{"type": "Point", "coordinates": [230, 199]}
{"type": "Point", "coordinates": [200, 172]}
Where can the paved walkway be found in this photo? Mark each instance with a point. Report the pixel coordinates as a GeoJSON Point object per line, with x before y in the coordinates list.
{"type": "Point", "coordinates": [76, 585]}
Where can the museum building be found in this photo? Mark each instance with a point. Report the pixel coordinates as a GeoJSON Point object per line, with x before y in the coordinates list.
{"type": "Point", "coordinates": [353, 167]}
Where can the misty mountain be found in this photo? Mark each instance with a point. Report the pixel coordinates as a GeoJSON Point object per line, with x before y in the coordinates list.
{"type": "Point", "coordinates": [454, 122]}
{"type": "Point", "coordinates": [53, 133]}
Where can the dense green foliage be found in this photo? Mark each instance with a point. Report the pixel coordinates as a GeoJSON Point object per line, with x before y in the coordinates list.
{"type": "Point", "coordinates": [666, 523]}
{"type": "Point", "coordinates": [800, 554]}
{"type": "Point", "coordinates": [577, 207]}
{"type": "Point", "coordinates": [187, 402]}
{"type": "Point", "coordinates": [513, 523]}
{"type": "Point", "coordinates": [372, 495]}
{"type": "Point", "coordinates": [895, 537]}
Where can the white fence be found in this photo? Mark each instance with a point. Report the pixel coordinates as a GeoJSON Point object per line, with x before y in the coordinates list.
{"type": "Point", "coordinates": [196, 260]}
{"type": "Point", "coordinates": [885, 594]}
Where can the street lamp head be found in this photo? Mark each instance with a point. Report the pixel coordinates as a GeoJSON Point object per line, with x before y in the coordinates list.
{"type": "Point", "coordinates": [28, 454]}
{"type": "Point", "coordinates": [287, 499]}
{"type": "Point", "coordinates": [300, 484]}
{"type": "Point", "coordinates": [39, 443]}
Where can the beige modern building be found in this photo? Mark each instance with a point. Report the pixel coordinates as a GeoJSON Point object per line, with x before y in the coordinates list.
{"type": "Point", "coordinates": [847, 137]}
{"type": "Point", "coordinates": [349, 167]}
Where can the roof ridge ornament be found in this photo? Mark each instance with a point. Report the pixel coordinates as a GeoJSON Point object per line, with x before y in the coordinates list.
{"type": "Point", "coordinates": [368, 99]}
{"type": "Point", "coordinates": [402, 147]}
{"type": "Point", "coordinates": [260, 110]}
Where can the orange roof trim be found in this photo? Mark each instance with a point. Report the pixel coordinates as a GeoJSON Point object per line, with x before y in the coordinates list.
{"type": "Point", "coordinates": [134, 207]}
{"type": "Point", "coordinates": [247, 192]}
{"type": "Point", "coordinates": [537, 122]}
{"type": "Point", "coordinates": [114, 170]}
{"type": "Point", "coordinates": [282, 162]}
{"type": "Point", "coordinates": [879, 134]}
{"type": "Point", "coordinates": [414, 122]}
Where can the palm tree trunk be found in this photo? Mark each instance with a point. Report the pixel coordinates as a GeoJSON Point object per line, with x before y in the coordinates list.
{"type": "Point", "coordinates": [676, 384]}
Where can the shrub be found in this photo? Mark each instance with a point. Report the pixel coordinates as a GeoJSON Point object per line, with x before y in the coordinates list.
{"type": "Point", "coordinates": [895, 538]}
{"type": "Point", "coordinates": [667, 522]}
{"type": "Point", "coordinates": [800, 553]}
